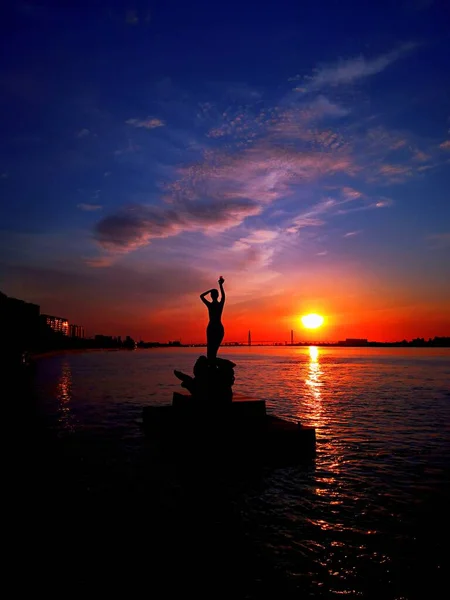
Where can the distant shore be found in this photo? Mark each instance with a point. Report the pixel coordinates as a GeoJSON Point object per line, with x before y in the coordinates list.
{"type": "Point", "coordinates": [50, 353]}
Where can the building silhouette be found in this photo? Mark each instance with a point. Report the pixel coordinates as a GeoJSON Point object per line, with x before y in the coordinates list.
{"type": "Point", "coordinates": [57, 324]}
{"type": "Point", "coordinates": [76, 331]}
{"type": "Point", "coordinates": [19, 322]}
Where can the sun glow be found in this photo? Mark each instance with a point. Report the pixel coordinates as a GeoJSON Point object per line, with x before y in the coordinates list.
{"type": "Point", "coordinates": [312, 321]}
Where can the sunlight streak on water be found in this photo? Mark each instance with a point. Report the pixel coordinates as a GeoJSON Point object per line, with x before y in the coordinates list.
{"type": "Point", "coordinates": [313, 385]}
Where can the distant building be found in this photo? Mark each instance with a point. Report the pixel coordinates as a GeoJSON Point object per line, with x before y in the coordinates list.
{"type": "Point", "coordinates": [76, 331]}
{"type": "Point", "coordinates": [57, 324]}
{"type": "Point", "coordinates": [353, 342]}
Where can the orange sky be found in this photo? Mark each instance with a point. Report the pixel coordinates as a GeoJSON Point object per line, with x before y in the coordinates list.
{"type": "Point", "coordinates": [156, 307]}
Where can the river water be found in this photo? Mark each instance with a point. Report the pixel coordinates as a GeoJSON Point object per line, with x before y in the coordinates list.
{"type": "Point", "coordinates": [365, 519]}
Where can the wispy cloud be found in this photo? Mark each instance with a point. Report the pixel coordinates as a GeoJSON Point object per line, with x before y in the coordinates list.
{"type": "Point", "coordinates": [259, 236]}
{"type": "Point", "coordinates": [351, 233]}
{"type": "Point", "coordinates": [148, 123]}
{"type": "Point", "coordinates": [89, 207]}
{"type": "Point", "coordinates": [351, 70]}
{"type": "Point", "coordinates": [344, 202]}
{"type": "Point", "coordinates": [396, 173]}
{"type": "Point", "coordinates": [82, 133]}
{"type": "Point", "coordinates": [420, 156]}
{"type": "Point", "coordinates": [351, 194]}
{"type": "Point", "coordinates": [445, 145]}
{"type": "Point", "coordinates": [130, 149]}
{"type": "Point", "coordinates": [323, 107]}
{"type": "Point", "coordinates": [263, 173]}
{"type": "Point", "coordinates": [100, 262]}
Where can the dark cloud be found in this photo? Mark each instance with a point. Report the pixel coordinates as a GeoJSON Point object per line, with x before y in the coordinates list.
{"type": "Point", "coordinates": [135, 226]}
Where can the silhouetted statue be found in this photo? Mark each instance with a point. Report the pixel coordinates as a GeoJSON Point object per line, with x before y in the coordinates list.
{"type": "Point", "coordinates": [213, 380]}
{"type": "Point", "coordinates": [215, 330]}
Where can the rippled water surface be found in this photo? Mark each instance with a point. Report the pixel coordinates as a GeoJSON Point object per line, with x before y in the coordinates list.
{"type": "Point", "coordinates": [365, 519]}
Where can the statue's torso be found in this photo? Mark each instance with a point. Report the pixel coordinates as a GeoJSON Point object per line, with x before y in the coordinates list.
{"type": "Point", "coordinates": [215, 312]}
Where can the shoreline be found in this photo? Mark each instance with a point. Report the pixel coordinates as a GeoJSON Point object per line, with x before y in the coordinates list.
{"type": "Point", "coordinates": [51, 353]}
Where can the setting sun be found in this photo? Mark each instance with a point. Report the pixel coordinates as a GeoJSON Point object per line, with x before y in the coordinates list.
{"type": "Point", "coordinates": [312, 321]}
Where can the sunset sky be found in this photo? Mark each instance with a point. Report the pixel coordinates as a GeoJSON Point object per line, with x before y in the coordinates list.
{"type": "Point", "coordinates": [299, 149]}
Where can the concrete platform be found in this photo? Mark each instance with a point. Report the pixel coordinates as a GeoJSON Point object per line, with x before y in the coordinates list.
{"type": "Point", "coordinates": [241, 430]}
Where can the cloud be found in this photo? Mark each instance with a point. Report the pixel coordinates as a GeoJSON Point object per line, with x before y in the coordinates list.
{"type": "Point", "coordinates": [350, 70]}
{"type": "Point", "coordinates": [347, 200]}
{"type": "Point", "coordinates": [131, 148]}
{"type": "Point", "coordinates": [380, 139]}
{"type": "Point", "coordinates": [420, 156]}
{"type": "Point", "coordinates": [263, 173]}
{"type": "Point", "coordinates": [89, 207]}
{"type": "Point", "coordinates": [322, 107]}
{"type": "Point", "coordinates": [256, 249]}
{"type": "Point", "coordinates": [99, 262]}
{"type": "Point", "coordinates": [137, 225]}
{"type": "Point", "coordinates": [351, 194]}
{"type": "Point", "coordinates": [148, 123]}
{"type": "Point", "coordinates": [82, 133]}
{"type": "Point", "coordinates": [351, 233]}
{"type": "Point", "coordinates": [259, 236]}
{"type": "Point", "coordinates": [395, 173]}
{"type": "Point", "coordinates": [381, 203]}
{"type": "Point", "coordinates": [445, 145]}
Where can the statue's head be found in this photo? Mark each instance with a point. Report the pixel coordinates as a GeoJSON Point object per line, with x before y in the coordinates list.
{"type": "Point", "coordinates": [214, 294]}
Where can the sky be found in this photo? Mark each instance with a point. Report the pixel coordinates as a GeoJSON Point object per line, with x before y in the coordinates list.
{"type": "Point", "coordinates": [299, 149]}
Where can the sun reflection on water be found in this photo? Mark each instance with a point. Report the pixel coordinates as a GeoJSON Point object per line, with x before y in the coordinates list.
{"type": "Point", "coordinates": [329, 460]}
{"type": "Point", "coordinates": [64, 397]}
{"type": "Point", "coordinates": [314, 384]}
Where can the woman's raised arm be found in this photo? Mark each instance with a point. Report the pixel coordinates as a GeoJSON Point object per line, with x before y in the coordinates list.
{"type": "Point", "coordinates": [203, 299]}
{"type": "Point", "coordinates": [222, 291]}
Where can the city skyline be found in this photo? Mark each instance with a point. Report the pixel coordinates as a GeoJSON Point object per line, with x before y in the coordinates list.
{"type": "Point", "coordinates": [146, 151]}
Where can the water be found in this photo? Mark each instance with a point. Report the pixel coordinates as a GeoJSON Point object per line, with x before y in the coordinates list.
{"type": "Point", "coordinates": [365, 519]}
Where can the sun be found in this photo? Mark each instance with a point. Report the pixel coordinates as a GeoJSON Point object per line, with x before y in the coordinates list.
{"type": "Point", "coordinates": [312, 321]}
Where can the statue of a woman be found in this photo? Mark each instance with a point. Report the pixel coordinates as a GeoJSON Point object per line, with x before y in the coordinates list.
{"type": "Point", "coordinates": [215, 330]}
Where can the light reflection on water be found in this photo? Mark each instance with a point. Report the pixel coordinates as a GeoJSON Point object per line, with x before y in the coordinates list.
{"type": "Point", "coordinates": [313, 385]}
{"type": "Point", "coordinates": [64, 396]}
{"type": "Point", "coordinates": [383, 432]}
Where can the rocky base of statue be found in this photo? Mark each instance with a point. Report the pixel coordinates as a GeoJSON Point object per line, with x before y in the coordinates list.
{"type": "Point", "coordinates": [212, 382]}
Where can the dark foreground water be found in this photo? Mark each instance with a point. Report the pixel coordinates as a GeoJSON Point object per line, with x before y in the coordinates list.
{"type": "Point", "coordinates": [366, 519]}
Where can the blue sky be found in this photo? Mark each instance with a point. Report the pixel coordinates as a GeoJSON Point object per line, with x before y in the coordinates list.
{"type": "Point", "coordinates": [302, 150]}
